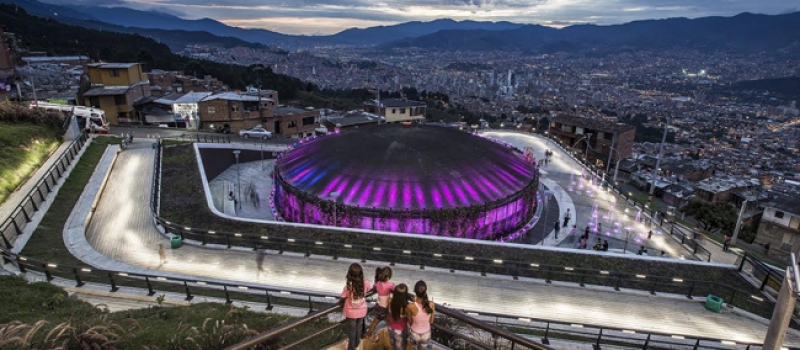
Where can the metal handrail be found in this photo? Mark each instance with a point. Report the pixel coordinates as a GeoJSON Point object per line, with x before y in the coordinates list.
{"type": "Point", "coordinates": [58, 167]}
{"type": "Point", "coordinates": [495, 331]}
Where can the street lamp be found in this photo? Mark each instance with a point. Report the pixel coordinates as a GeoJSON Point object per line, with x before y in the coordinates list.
{"type": "Point", "coordinates": [238, 178]}
{"type": "Point", "coordinates": [546, 206]}
{"type": "Point", "coordinates": [334, 195]}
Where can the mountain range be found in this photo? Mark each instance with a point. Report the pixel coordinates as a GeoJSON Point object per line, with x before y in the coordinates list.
{"type": "Point", "coordinates": [743, 33]}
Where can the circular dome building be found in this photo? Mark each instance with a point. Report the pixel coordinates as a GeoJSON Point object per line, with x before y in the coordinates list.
{"type": "Point", "coordinates": [413, 179]}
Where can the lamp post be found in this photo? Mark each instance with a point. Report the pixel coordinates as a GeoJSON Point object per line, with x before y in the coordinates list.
{"type": "Point", "coordinates": [545, 202]}
{"type": "Point", "coordinates": [335, 196]}
{"type": "Point", "coordinates": [658, 160]}
{"type": "Point", "coordinates": [238, 178]}
{"type": "Point", "coordinates": [738, 223]}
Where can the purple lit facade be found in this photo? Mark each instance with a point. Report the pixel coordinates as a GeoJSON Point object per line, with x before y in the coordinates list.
{"type": "Point", "coordinates": [422, 180]}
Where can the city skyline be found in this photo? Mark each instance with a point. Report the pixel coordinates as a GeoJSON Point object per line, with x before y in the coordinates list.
{"type": "Point", "coordinates": [323, 17]}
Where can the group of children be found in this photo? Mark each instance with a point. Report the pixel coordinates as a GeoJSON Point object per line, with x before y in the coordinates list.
{"type": "Point", "coordinates": [407, 319]}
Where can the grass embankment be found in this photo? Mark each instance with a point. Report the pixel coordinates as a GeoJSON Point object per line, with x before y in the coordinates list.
{"type": "Point", "coordinates": [47, 241]}
{"type": "Point", "coordinates": [199, 326]}
{"type": "Point", "coordinates": [24, 147]}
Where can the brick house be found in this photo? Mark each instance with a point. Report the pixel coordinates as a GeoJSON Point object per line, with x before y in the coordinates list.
{"type": "Point", "coordinates": [239, 111]}
{"type": "Point", "coordinates": [293, 122]}
{"type": "Point", "coordinates": [605, 140]}
{"type": "Point", "coordinates": [163, 83]}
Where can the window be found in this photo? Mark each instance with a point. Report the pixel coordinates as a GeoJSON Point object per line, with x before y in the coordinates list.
{"type": "Point", "coordinates": [94, 101]}
{"type": "Point", "coordinates": [234, 108]}
{"type": "Point", "coordinates": [115, 72]}
{"type": "Point", "coordinates": [394, 111]}
{"type": "Point", "coordinates": [292, 124]}
{"type": "Point", "coordinates": [308, 121]}
{"type": "Point", "coordinates": [779, 214]}
{"type": "Point", "coordinates": [119, 100]}
{"type": "Point", "coordinates": [402, 111]}
{"type": "Point", "coordinates": [211, 110]}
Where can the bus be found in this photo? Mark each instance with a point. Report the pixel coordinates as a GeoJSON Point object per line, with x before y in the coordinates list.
{"type": "Point", "coordinates": [89, 119]}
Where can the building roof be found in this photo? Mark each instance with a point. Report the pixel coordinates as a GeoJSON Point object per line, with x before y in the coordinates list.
{"type": "Point", "coordinates": [192, 97]}
{"type": "Point", "coordinates": [279, 111]}
{"type": "Point", "coordinates": [54, 59]}
{"type": "Point", "coordinates": [396, 102]}
{"type": "Point", "coordinates": [790, 204]}
{"type": "Point", "coordinates": [722, 184]}
{"type": "Point", "coordinates": [595, 124]}
{"type": "Point", "coordinates": [355, 118]}
{"type": "Point", "coordinates": [232, 96]}
{"type": "Point", "coordinates": [112, 65]}
{"type": "Point", "coordinates": [106, 91]}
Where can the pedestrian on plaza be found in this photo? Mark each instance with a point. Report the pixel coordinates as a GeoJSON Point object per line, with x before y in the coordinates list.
{"type": "Point", "coordinates": [355, 304]}
{"type": "Point", "coordinates": [574, 231]}
{"type": "Point", "coordinates": [600, 228]}
{"type": "Point", "coordinates": [584, 243]}
{"type": "Point", "coordinates": [605, 245]}
{"type": "Point", "coordinates": [260, 260]}
{"type": "Point", "coordinates": [586, 232]}
{"type": "Point", "coordinates": [162, 254]}
{"type": "Point", "coordinates": [598, 245]}
{"type": "Point", "coordinates": [726, 243]}
{"type": "Point", "coordinates": [557, 227]}
{"type": "Point", "coordinates": [567, 216]}
{"type": "Point", "coordinates": [642, 250]}
{"type": "Point", "coordinates": [650, 234]}
{"type": "Point", "coordinates": [420, 314]}
{"type": "Point", "coordinates": [663, 252]}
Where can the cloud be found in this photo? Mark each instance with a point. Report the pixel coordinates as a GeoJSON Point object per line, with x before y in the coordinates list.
{"type": "Point", "coordinates": [328, 16]}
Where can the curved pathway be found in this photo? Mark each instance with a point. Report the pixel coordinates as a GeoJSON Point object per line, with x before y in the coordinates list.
{"type": "Point", "coordinates": [122, 236]}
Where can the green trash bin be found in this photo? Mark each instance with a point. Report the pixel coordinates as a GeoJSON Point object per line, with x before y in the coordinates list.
{"type": "Point", "coordinates": [176, 242]}
{"type": "Point", "coordinates": [713, 303]}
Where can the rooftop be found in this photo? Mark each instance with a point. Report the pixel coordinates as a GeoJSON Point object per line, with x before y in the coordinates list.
{"type": "Point", "coordinates": [279, 111]}
{"type": "Point", "coordinates": [232, 96]}
{"type": "Point", "coordinates": [594, 124]}
{"type": "Point", "coordinates": [112, 65]}
{"type": "Point", "coordinates": [790, 204]}
{"type": "Point", "coordinates": [396, 102]}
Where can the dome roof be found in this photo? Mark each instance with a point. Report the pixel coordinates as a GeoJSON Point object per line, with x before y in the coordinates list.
{"type": "Point", "coordinates": [397, 167]}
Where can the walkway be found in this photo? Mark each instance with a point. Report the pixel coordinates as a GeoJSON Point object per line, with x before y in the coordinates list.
{"type": "Point", "coordinates": [16, 197]}
{"type": "Point", "coordinates": [123, 234]}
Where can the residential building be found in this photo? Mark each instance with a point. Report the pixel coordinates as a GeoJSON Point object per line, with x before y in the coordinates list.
{"type": "Point", "coordinates": [115, 89]}
{"type": "Point", "coordinates": [238, 111]}
{"type": "Point", "coordinates": [780, 225]}
{"type": "Point", "coordinates": [721, 189]}
{"type": "Point", "coordinates": [397, 110]}
{"type": "Point", "coordinates": [6, 66]}
{"type": "Point", "coordinates": [178, 109]}
{"type": "Point", "coordinates": [163, 83]}
{"type": "Point", "coordinates": [352, 119]}
{"type": "Point", "coordinates": [293, 122]}
{"type": "Point", "coordinates": [597, 139]}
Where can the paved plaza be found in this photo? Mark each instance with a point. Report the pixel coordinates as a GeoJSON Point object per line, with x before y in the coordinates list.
{"type": "Point", "coordinates": [122, 237]}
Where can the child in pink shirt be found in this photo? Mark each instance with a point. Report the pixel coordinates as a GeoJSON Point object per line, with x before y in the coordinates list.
{"type": "Point", "coordinates": [355, 304]}
{"type": "Point", "coordinates": [384, 288]}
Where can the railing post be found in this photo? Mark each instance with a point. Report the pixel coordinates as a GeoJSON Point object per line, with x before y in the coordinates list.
{"type": "Point", "coordinates": [696, 345]}
{"type": "Point", "coordinates": [597, 343]}
{"type": "Point", "coordinates": [581, 283]}
{"type": "Point", "coordinates": [5, 240]}
{"type": "Point", "coordinates": [691, 290]}
{"type": "Point", "coordinates": [764, 283]}
{"type": "Point", "coordinates": [336, 254]}
{"type": "Point", "coordinates": [280, 248]}
{"type": "Point", "coordinates": [483, 270]}
{"type": "Point", "coordinates": [33, 203]}
{"type": "Point", "coordinates": [547, 275]}
{"type": "Point", "coordinates": [741, 265]}
{"type": "Point", "coordinates": [39, 190]}
{"type": "Point", "coordinates": [616, 285]}
{"type": "Point", "coordinates": [20, 266]}
{"type": "Point", "coordinates": [47, 273]}
{"type": "Point", "coordinates": [228, 239]}
{"type": "Point", "coordinates": [653, 289]}
{"type": "Point", "coordinates": [47, 183]}
{"type": "Point", "coordinates": [269, 302]}
{"type": "Point", "coordinates": [113, 283]}
{"type": "Point", "coordinates": [227, 295]}
{"type": "Point", "coordinates": [189, 295]}
{"type": "Point", "coordinates": [203, 239]}
{"type": "Point", "coordinates": [545, 340]}
{"type": "Point", "coordinates": [515, 275]}
{"type": "Point", "coordinates": [16, 227]}
{"type": "Point", "coordinates": [150, 291]}
{"type": "Point", "coordinates": [78, 282]}
{"type": "Point", "coordinates": [364, 255]}
{"type": "Point", "coordinates": [308, 249]}
{"type": "Point", "coordinates": [646, 342]}
{"type": "Point", "coordinates": [25, 213]}
{"type": "Point", "coordinates": [310, 305]}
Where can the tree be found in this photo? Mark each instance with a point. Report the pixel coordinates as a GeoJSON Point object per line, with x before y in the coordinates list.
{"type": "Point", "coordinates": [716, 216]}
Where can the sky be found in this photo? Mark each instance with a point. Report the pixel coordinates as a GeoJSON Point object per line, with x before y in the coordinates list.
{"type": "Point", "coordinates": [321, 17]}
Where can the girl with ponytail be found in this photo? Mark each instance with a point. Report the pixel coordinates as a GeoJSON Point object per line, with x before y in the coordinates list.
{"type": "Point", "coordinates": [420, 317]}
{"type": "Point", "coordinates": [355, 306]}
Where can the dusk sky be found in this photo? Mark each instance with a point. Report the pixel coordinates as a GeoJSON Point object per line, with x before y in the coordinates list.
{"type": "Point", "coordinates": [331, 16]}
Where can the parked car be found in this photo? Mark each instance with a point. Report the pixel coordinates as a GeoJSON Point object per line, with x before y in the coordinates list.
{"type": "Point", "coordinates": [256, 131]}
{"type": "Point", "coordinates": [224, 129]}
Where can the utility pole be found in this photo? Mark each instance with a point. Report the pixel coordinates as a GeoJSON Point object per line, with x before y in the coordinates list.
{"type": "Point", "coordinates": [739, 222]}
{"type": "Point", "coordinates": [784, 307]}
{"type": "Point", "coordinates": [658, 161]}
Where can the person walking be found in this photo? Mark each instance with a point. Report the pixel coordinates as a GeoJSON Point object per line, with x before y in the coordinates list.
{"type": "Point", "coordinates": [567, 216]}
{"type": "Point", "coordinates": [726, 243]}
{"type": "Point", "coordinates": [162, 254]}
{"type": "Point", "coordinates": [599, 227]}
{"type": "Point", "coordinates": [355, 304]}
{"type": "Point", "coordinates": [556, 227]}
{"type": "Point", "coordinates": [650, 234]}
{"type": "Point", "coordinates": [420, 314]}
{"type": "Point", "coordinates": [574, 231]}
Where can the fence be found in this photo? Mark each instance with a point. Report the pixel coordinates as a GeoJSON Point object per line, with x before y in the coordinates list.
{"type": "Point", "coordinates": [14, 225]}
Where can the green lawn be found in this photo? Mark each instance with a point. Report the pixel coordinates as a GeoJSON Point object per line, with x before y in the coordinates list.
{"type": "Point", "coordinates": [24, 147]}
{"type": "Point", "coordinates": [47, 241]}
{"type": "Point", "coordinates": [209, 325]}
